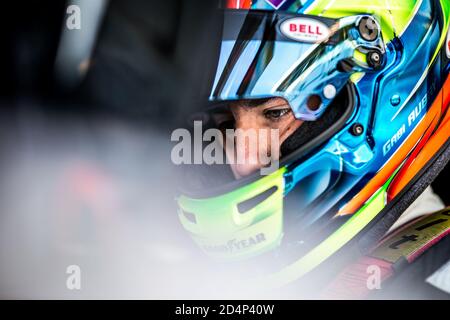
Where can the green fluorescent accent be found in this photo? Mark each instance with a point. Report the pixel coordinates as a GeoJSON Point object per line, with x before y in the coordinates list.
{"type": "Point", "coordinates": [446, 13]}
{"type": "Point", "coordinates": [446, 8]}
{"type": "Point", "coordinates": [225, 233]}
{"type": "Point", "coordinates": [394, 15]}
{"type": "Point", "coordinates": [333, 243]}
{"type": "Point", "coordinates": [360, 56]}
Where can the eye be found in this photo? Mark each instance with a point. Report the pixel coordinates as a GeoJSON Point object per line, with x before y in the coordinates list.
{"type": "Point", "coordinates": [224, 121]}
{"type": "Point", "coordinates": [227, 124]}
{"type": "Point", "coordinates": [275, 114]}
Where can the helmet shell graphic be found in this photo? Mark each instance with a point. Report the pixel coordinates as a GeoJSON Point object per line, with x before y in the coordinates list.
{"type": "Point", "coordinates": [390, 59]}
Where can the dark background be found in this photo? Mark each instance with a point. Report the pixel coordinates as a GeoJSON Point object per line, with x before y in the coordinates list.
{"type": "Point", "coordinates": [149, 59]}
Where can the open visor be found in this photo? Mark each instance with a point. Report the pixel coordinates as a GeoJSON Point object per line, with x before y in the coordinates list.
{"type": "Point", "coordinates": [306, 60]}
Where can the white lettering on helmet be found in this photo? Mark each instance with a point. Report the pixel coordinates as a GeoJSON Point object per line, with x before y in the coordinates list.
{"type": "Point", "coordinates": [447, 44]}
{"type": "Point", "coordinates": [236, 245]}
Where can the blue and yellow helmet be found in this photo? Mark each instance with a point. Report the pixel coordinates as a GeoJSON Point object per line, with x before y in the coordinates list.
{"type": "Point", "coordinates": [370, 80]}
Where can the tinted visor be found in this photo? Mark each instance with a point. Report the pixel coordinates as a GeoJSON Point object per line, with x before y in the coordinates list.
{"type": "Point", "coordinates": [276, 54]}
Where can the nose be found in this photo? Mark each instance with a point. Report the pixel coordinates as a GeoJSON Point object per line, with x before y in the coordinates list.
{"type": "Point", "coordinates": [246, 161]}
{"type": "Point", "coordinates": [250, 143]}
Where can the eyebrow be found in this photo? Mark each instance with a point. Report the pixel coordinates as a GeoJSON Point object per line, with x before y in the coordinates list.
{"type": "Point", "coordinates": [255, 102]}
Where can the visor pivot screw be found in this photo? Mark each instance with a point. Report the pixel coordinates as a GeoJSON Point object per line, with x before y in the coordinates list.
{"type": "Point", "coordinates": [368, 29]}
{"type": "Point", "coordinates": [375, 59]}
{"type": "Point", "coordinates": [395, 100]}
{"type": "Point", "coordinates": [329, 91]}
{"type": "Point", "coordinates": [357, 129]}
{"type": "Point", "coordinates": [314, 102]}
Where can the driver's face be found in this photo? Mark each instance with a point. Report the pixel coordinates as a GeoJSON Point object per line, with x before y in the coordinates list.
{"type": "Point", "coordinates": [254, 115]}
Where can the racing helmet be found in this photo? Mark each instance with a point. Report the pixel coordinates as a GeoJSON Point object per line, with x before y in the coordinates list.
{"type": "Point", "coordinates": [369, 80]}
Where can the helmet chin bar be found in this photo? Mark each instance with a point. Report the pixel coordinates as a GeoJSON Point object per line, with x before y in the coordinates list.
{"type": "Point", "coordinates": [241, 224]}
{"type": "Point", "coordinates": [312, 85]}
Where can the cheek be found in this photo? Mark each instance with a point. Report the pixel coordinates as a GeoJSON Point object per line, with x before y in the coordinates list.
{"type": "Point", "coordinates": [287, 127]}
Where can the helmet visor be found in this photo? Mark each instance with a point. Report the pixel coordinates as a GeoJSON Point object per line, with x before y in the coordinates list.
{"type": "Point", "coordinates": [303, 59]}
